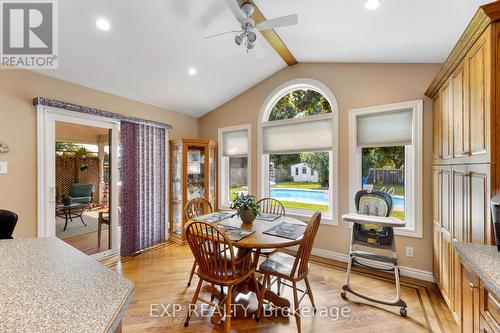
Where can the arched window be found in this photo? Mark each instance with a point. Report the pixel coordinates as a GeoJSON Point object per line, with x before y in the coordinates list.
{"type": "Point", "coordinates": [297, 132]}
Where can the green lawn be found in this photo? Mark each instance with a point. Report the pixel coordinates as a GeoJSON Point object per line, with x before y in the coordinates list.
{"type": "Point", "coordinates": [399, 189]}
{"type": "Point", "coordinates": [301, 185]}
{"type": "Point", "coordinates": [308, 206]}
{"type": "Point", "coordinates": [398, 214]}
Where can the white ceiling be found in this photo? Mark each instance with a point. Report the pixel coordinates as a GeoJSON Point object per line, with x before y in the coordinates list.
{"type": "Point", "coordinates": [407, 31]}
{"type": "Point", "coordinates": [146, 54]}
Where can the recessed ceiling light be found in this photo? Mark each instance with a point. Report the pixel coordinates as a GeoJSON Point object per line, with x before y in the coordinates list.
{"type": "Point", "coordinates": [372, 4]}
{"type": "Point", "coordinates": [103, 24]}
{"type": "Point", "coordinates": [192, 71]}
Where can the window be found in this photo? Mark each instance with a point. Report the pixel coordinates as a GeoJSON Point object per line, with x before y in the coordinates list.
{"type": "Point", "coordinates": [234, 162]}
{"type": "Point", "coordinates": [298, 132]}
{"type": "Point", "coordinates": [385, 155]}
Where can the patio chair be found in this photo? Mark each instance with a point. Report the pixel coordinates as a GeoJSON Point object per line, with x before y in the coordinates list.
{"type": "Point", "coordinates": [81, 193]}
{"type": "Point", "coordinates": [8, 221]}
{"type": "Point", "coordinates": [373, 228]}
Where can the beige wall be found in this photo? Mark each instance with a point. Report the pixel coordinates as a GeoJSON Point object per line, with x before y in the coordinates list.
{"type": "Point", "coordinates": [354, 85]}
{"type": "Point", "coordinates": [18, 189]}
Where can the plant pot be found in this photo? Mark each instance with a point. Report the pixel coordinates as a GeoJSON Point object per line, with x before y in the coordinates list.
{"type": "Point", "coordinates": [247, 216]}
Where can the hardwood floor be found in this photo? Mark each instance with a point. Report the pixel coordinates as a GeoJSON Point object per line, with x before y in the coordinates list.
{"type": "Point", "coordinates": [87, 243]}
{"type": "Point", "coordinates": [160, 276]}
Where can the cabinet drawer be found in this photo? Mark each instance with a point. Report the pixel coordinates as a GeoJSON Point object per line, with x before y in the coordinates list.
{"type": "Point", "coordinates": [490, 308]}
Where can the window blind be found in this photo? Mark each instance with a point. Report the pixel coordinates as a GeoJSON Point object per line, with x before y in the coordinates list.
{"type": "Point", "coordinates": [385, 129]}
{"type": "Point", "coordinates": [296, 137]}
{"type": "Point", "coordinates": [235, 143]}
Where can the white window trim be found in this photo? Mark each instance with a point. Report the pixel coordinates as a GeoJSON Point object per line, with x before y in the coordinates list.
{"type": "Point", "coordinates": [263, 160]}
{"type": "Point", "coordinates": [413, 189]}
{"type": "Point", "coordinates": [222, 130]}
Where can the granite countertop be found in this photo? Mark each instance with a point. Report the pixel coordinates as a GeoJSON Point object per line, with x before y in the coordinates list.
{"type": "Point", "coordinates": [48, 286]}
{"type": "Point", "coordinates": [484, 260]}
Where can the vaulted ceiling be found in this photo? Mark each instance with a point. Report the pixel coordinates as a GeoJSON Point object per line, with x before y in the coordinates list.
{"type": "Point", "coordinates": [146, 54]}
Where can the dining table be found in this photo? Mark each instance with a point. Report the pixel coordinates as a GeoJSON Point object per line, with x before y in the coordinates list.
{"type": "Point", "coordinates": [253, 244]}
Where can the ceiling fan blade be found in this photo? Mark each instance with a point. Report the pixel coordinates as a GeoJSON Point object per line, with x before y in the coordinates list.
{"type": "Point", "coordinates": [236, 10]}
{"type": "Point", "coordinates": [222, 33]}
{"type": "Point", "coordinates": [282, 21]}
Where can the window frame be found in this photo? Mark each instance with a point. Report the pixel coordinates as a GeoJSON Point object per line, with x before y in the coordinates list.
{"type": "Point", "coordinates": [221, 162]}
{"type": "Point", "coordinates": [330, 218]}
{"type": "Point", "coordinates": [413, 163]}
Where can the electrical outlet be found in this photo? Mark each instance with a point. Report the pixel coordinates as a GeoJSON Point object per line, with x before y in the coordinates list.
{"type": "Point", "coordinates": [3, 167]}
{"type": "Point", "coordinates": [409, 251]}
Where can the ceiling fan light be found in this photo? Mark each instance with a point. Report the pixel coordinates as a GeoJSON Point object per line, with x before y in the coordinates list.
{"type": "Point", "coordinates": [238, 40]}
{"type": "Point", "coordinates": [372, 4]}
{"type": "Point", "coordinates": [252, 37]}
{"type": "Point", "coordinates": [250, 45]}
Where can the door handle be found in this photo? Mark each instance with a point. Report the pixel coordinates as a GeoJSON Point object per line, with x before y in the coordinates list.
{"type": "Point", "coordinates": [52, 194]}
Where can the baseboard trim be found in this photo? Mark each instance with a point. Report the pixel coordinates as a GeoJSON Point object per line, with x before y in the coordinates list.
{"type": "Point", "coordinates": [405, 271]}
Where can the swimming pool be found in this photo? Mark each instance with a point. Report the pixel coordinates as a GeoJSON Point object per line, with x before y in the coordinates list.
{"type": "Point", "coordinates": [300, 195]}
{"type": "Point", "coordinates": [315, 196]}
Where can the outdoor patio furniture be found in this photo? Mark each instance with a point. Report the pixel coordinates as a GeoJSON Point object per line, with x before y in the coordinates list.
{"type": "Point", "coordinates": [70, 211]}
{"type": "Point", "coordinates": [8, 221]}
{"type": "Point", "coordinates": [103, 219]}
{"type": "Point", "coordinates": [81, 193]}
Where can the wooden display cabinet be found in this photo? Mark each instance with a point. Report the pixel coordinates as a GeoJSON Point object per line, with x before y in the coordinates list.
{"type": "Point", "coordinates": [193, 174]}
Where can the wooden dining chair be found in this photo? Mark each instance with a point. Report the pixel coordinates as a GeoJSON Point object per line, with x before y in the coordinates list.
{"type": "Point", "coordinates": [194, 208]}
{"type": "Point", "coordinates": [274, 207]}
{"type": "Point", "coordinates": [271, 206]}
{"type": "Point", "coordinates": [218, 265]}
{"type": "Point", "coordinates": [292, 268]}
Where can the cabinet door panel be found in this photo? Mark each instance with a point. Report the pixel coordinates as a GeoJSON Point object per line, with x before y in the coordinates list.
{"type": "Point", "coordinates": [459, 220]}
{"type": "Point", "coordinates": [478, 230]}
{"type": "Point", "coordinates": [470, 302]}
{"type": "Point", "coordinates": [436, 252]}
{"type": "Point", "coordinates": [446, 121]}
{"type": "Point", "coordinates": [478, 95]}
{"type": "Point", "coordinates": [446, 266]}
{"type": "Point", "coordinates": [436, 115]}
{"type": "Point", "coordinates": [446, 198]}
{"type": "Point", "coordinates": [459, 110]}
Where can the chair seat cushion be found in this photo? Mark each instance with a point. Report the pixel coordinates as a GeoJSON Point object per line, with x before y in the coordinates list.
{"type": "Point", "coordinates": [278, 264]}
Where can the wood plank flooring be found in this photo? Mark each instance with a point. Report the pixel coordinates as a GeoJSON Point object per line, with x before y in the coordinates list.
{"type": "Point", "coordinates": [160, 276]}
{"type": "Point", "coordinates": [87, 243]}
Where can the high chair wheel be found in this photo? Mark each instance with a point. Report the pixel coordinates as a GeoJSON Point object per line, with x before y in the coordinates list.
{"type": "Point", "coordinates": [343, 294]}
{"type": "Point", "coordinates": [403, 312]}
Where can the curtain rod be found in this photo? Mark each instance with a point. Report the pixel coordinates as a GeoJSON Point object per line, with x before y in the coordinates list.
{"type": "Point", "coordinates": [96, 112]}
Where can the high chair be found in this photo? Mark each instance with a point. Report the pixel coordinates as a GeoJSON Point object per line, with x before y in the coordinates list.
{"type": "Point", "coordinates": [373, 228]}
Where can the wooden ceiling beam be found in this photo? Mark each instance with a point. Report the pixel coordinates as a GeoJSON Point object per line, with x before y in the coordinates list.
{"type": "Point", "coordinates": [271, 36]}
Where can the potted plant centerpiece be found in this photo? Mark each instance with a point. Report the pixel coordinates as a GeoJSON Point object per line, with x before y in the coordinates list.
{"type": "Point", "coordinates": [246, 207]}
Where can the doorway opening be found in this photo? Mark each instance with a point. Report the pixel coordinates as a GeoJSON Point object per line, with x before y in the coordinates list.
{"type": "Point", "coordinates": [78, 181]}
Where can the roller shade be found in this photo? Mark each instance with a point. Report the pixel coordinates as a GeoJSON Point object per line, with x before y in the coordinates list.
{"type": "Point", "coordinates": [304, 136]}
{"type": "Point", "coordinates": [235, 143]}
{"type": "Point", "coordinates": [385, 129]}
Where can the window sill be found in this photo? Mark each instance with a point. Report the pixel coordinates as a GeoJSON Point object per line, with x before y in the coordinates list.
{"type": "Point", "coordinates": [306, 215]}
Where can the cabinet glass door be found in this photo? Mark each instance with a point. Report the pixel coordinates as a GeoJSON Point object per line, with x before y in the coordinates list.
{"type": "Point", "coordinates": [211, 186]}
{"type": "Point", "coordinates": [176, 190]}
{"type": "Point", "coordinates": [195, 172]}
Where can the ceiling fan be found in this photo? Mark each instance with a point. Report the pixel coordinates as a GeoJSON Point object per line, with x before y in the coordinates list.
{"type": "Point", "coordinates": [246, 36]}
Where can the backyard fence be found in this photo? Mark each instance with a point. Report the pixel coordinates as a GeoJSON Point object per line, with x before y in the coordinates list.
{"type": "Point", "coordinates": [386, 176]}
{"type": "Point", "coordinates": [67, 173]}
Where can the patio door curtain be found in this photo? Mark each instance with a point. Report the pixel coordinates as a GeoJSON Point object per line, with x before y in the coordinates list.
{"type": "Point", "coordinates": [143, 166]}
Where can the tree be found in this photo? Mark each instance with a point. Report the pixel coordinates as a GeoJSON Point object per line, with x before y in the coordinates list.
{"type": "Point", "coordinates": [319, 162]}
{"type": "Point", "coordinates": [383, 157]}
{"type": "Point", "coordinates": [298, 103]}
